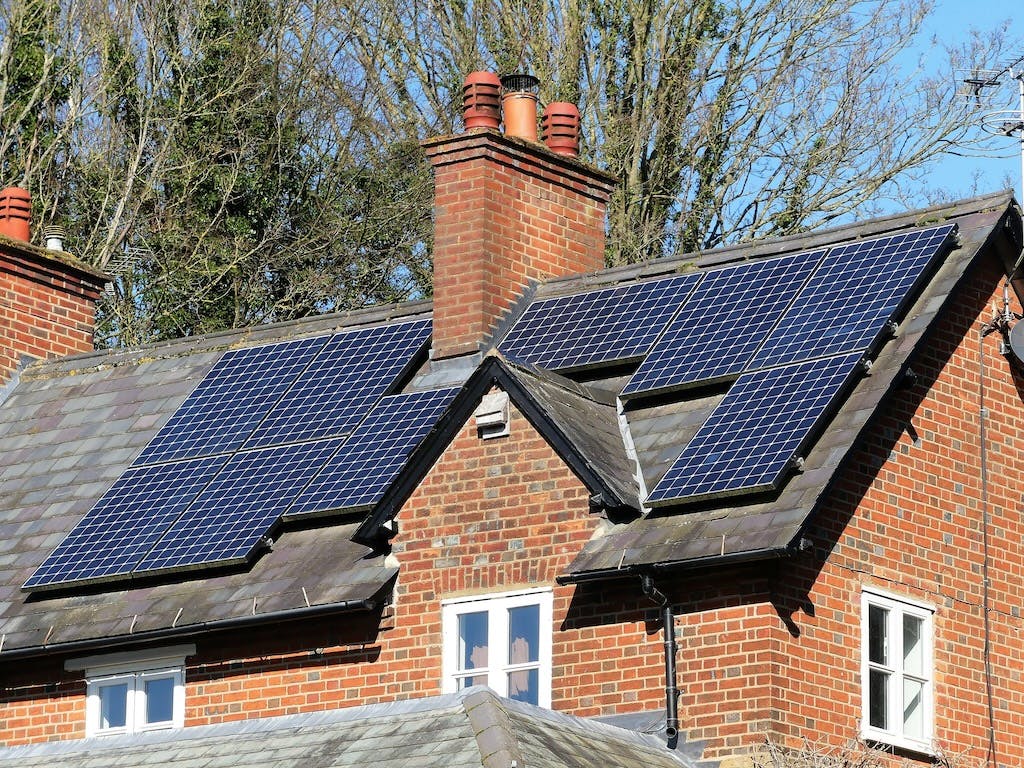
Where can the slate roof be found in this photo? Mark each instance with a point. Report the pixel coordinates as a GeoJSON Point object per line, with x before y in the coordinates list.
{"type": "Point", "coordinates": [472, 728]}
{"type": "Point", "coordinates": [69, 428]}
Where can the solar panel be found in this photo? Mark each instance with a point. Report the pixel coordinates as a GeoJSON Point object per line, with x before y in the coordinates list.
{"type": "Point", "coordinates": [123, 525]}
{"type": "Point", "coordinates": [230, 517]}
{"type": "Point", "coordinates": [848, 300]}
{"type": "Point", "coordinates": [750, 439]}
{"type": "Point", "coordinates": [231, 400]}
{"type": "Point", "coordinates": [602, 326]}
{"type": "Point", "coordinates": [369, 461]}
{"type": "Point", "coordinates": [722, 323]}
{"type": "Point", "coordinates": [352, 371]}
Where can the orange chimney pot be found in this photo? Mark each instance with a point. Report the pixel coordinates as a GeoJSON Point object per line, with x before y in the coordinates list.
{"type": "Point", "coordinates": [16, 213]}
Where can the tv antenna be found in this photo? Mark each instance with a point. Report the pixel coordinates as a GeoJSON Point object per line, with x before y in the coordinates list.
{"type": "Point", "coordinates": [1003, 122]}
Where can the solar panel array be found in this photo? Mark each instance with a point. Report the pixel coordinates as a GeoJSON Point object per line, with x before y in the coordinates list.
{"type": "Point", "coordinates": [716, 332]}
{"type": "Point", "coordinates": [750, 438]}
{"type": "Point", "coordinates": [228, 519]}
{"type": "Point", "coordinates": [336, 389]}
{"type": "Point", "coordinates": [126, 522]}
{"type": "Point", "coordinates": [849, 298]}
{"type": "Point", "coordinates": [802, 362]}
{"type": "Point", "coordinates": [612, 324]}
{"type": "Point", "coordinates": [263, 422]}
{"type": "Point", "coordinates": [231, 400]}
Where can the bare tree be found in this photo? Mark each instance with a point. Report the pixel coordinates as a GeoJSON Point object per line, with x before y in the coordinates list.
{"type": "Point", "coordinates": [723, 120]}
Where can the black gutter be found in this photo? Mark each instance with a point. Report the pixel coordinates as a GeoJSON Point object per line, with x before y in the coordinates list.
{"type": "Point", "coordinates": [192, 630]}
{"type": "Point", "coordinates": [733, 558]}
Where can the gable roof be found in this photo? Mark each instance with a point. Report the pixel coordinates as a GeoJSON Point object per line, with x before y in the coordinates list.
{"type": "Point", "coordinates": [69, 428]}
{"type": "Point", "coordinates": [474, 727]}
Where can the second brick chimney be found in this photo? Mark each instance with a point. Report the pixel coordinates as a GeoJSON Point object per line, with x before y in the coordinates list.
{"type": "Point", "coordinates": [507, 211]}
{"type": "Point", "coordinates": [47, 298]}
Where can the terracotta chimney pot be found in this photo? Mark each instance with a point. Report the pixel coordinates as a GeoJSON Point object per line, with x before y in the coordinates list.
{"type": "Point", "coordinates": [561, 125]}
{"type": "Point", "coordinates": [481, 100]}
{"type": "Point", "coordinates": [16, 213]}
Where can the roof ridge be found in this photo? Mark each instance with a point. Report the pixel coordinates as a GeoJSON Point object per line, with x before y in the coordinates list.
{"type": "Point", "coordinates": [219, 341]}
{"type": "Point", "coordinates": [492, 729]}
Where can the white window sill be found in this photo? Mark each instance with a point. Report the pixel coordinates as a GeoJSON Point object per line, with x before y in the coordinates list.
{"type": "Point", "coordinates": [884, 739]}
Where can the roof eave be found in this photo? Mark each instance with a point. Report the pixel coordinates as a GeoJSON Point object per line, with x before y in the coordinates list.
{"type": "Point", "coordinates": [166, 634]}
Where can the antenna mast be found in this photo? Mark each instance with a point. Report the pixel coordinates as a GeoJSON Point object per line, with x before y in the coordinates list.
{"type": "Point", "coordinates": [1006, 122]}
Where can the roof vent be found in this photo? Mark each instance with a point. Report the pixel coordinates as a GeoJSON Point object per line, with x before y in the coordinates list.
{"type": "Point", "coordinates": [492, 416]}
{"type": "Point", "coordinates": [54, 236]}
{"type": "Point", "coordinates": [481, 100]}
{"type": "Point", "coordinates": [561, 124]}
{"type": "Point", "coordinates": [15, 213]}
{"type": "Point", "coordinates": [519, 105]}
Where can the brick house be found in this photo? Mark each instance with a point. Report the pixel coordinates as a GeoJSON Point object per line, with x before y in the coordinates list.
{"type": "Point", "coordinates": [771, 490]}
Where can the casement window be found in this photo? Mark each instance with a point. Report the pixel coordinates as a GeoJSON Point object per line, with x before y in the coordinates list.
{"type": "Point", "coordinates": [502, 641]}
{"type": "Point", "coordinates": [896, 671]}
{"type": "Point", "coordinates": [134, 692]}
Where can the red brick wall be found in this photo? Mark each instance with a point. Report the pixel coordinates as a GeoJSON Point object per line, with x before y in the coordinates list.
{"type": "Point", "coordinates": [907, 518]}
{"type": "Point", "coordinates": [506, 211]}
{"type": "Point", "coordinates": [47, 309]}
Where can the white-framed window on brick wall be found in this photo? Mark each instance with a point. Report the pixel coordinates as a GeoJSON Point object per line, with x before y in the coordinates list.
{"type": "Point", "coordinates": [134, 691]}
{"type": "Point", "coordinates": [897, 670]}
{"type": "Point", "coordinates": [499, 640]}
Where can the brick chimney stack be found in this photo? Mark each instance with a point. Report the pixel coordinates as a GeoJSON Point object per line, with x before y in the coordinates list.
{"type": "Point", "coordinates": [47, 298]}
{"type": "Point", "coordinates": [507, 211]}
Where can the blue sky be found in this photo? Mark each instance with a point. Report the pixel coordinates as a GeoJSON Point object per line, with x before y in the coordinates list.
{"type": "Point", "coordinates": [950, 22]}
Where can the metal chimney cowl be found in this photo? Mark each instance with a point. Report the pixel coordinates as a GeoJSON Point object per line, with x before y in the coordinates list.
{"type": "Point", "coordinates": [519, 105]}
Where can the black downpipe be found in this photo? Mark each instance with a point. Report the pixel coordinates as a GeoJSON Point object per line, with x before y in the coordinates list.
{"type": "Point", "coordinates": [668, 623]}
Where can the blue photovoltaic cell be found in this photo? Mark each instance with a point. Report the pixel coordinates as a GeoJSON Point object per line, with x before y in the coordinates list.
{"type": "Point", "coordinates": [749, 440]}
{"type": "Point", "coordinates": [231, 400]}
{"type": "Point", "coordinates": [722, 323]}
{"type": "Point", "coordinates": [602, 326]}
{"type": "Point", "coordinates": [126, 522]}
{"type": "Point", "coordinates": [372, 457]}
{"type": "Point", "coordinates": [227, 521]}
{"type": "Point", "coordinates": [342, 383]}
{"type": "Point", "coordinates": [850, 297]}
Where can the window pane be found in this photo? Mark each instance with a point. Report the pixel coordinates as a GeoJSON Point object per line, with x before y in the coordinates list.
{"type": "Point", "coordinates": [114, 705]}
{"type": "Point", "coordinates": [877, 635]}
{"type": "Point", "coordinates": [160, 700]}
{"type": "Point", "coordinates": [524, 685]}
{"type": "Point", "coordinates": [466, 682]}
{"type": "Point", "coordinates": [473, 640]}
{"type": "Point", "coordinates": [878, 709]}
{"type": "Point", "coordinates": [913, 645]}
{"type": "Point", "coordinates": [524, 634]}
{"type": "Point", "coordinates": [913, 709]}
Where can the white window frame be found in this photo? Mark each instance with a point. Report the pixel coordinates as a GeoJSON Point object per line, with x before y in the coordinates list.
{"type": "Point", "coordinates": [898, 606]}
{"type": "Point", "coordinates": [133, 669]}
{"type": "Point", "coordinates": [498, 667]}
